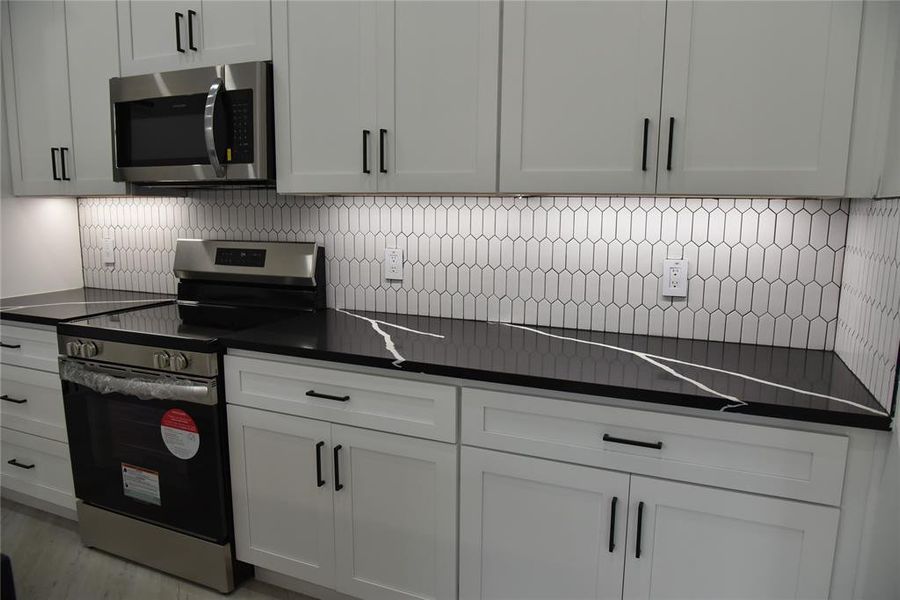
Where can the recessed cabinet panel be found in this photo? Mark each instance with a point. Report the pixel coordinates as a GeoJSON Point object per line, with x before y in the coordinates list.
{"type": "Point", "coordinates": [579, 80]}
{"type": "Point", "coordinates": [150, 33]}
{"type": "Point", "coordinates": [232, 31]}
{"type": "Point", "coordinates": [36, 84]}
{"type": "Point", "coordinates": [761, 94]}
{"type": "Point", "coordinates": [324, 72]}
{"type": "Point", "coordinates": [697, 542]}
{"type": "Point", "coordinates": [532, 528]}
{"type": "Point", "coordinates": [437, 95]}
{"type": "Point", "coordinates": [283, 518]}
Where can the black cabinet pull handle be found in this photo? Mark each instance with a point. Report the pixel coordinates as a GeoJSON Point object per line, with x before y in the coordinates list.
{"type": "Point", "coordinates": [319, 481]}
{"type": "Point", "coordinates": [612, 524]}
{"type": "Point", "coordinates": [366, 169]}
{"type": "Point", "coordinates": [13, 346]}
{"type": "Point", "coordinates": [671, 132]}
{"type": "Point", "coordinates": [178, 18]}
{"type": "Point", "coordinates": [191, 15]}
{"type": "Point", "coordinates": [13, 400]}
{"type": "Point", "coordinates": [644, 153]}
{"type": "Point", "coordinates": [16, 463]}
{"type": "Point", "coordinates": [381, 135]}
{"type": "Point", "coordinates": [315, 394]}
{"type": "Point", "coordinates": [616, 440]}
{"type": "Point", "coordinates": [338, 486]}
{"type": "Point", "coordinates": [53, 152]}
{"type": "Point", "coordinates": [640, 526]}
{"type": "Point", "coordinates": [62, 163]}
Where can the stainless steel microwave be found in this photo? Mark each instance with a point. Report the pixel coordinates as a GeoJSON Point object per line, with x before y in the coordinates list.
{"type": "Point", "coordinates": [196, 126]}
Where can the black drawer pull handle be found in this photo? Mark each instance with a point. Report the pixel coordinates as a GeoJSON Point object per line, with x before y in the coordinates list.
{"type": "Point", "coordinates": [191, 15]}
{"type": "Point", "coordinates": [16, 463]}
{"type": "Point", "coordinates": [671, 134]}
{"type": "Point", "coordinates": [178, 17]}
{"type": "Point", "coordinates": [366, 168]}
{"type": "Point", "coordinates": [381, 135]}
{"type": "Point", "coordinates": [612, 524]}
{"type": "Point", "coordinates": [338, 486]}
{"type": "Point", "coordinates": [315, 394]}
{"type": "Point", "coordinates": [640, 526]}
{"type": "Point", "coordinates": [53, 152]}
{"type": "Point", "coordinates": [644, 153]}
{"type": "Point", "coordinates": [62, 163]}
{"type": "Point", "coordinates": [615, 440]}
{"type": "Point", "coordinates": [13, 346]}
{"type": "Point", "coordinates": [319, 481]}
{"type": "Point", "coordinates": [14, 400]}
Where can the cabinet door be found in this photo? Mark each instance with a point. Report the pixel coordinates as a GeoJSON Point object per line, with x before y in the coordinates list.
{"type": "Point", "coordinates": [150, 32]}
{"type": "Point", "coordinates": [579, 80]}
{"type": "Point", "coordinates": [324, 72]}
{"type": "Point", "coordinates": [762, 97]}
{"type": "Point", "coordinates": [705, 543]}
{"type": "Point", "coordinates": [533, 528]}
{"type": "Point", "coordinates": [283, 518]}
{"type": "Point", "coordinates": [438, 66]}
{"type": "Point", "coordinates": [233, 31]}
{"type": "Point", "coordinates": [93, 43]}
{"type": "Point", "coordinates": [36, 84]}
{"type": "Point", "coordinates": [395, 517]}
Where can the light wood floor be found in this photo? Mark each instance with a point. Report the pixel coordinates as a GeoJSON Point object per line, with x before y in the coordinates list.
{"type": "Point", "coordinates": [49, 563]}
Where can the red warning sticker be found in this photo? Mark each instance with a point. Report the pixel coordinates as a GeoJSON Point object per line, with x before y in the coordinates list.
{"type": "Point", "coordinates": [180, 434]}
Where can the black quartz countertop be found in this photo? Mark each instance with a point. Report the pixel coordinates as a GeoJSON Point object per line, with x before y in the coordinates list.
{"type": "Point", "coordinates": [54, 307]}
{"type": "Point", "coordinates": [806, 385]}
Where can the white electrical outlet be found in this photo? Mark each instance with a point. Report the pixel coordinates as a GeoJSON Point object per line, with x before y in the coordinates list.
{"type": "Point", "coordinates": [675, 275]}
{"type": "Point", "coordinates": [108, 251]}
{"type": "Point", "coordinates": [393, 264]}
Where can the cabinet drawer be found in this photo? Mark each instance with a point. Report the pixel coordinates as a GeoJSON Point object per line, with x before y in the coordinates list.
{"type": "Point", "coordinates": [50, 477]}
{"type": "Point", "coordinates": [419, 409]}
{"type": "Point", "coordinates": [26, 347]}
{"type": "Point", "coordinates": [31, 401]}
{"type": "Point", "coordinates": [766, 460]}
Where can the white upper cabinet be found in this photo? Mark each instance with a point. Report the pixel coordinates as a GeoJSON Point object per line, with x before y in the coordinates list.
{"type": "Point", "coordinates": [36, 84]}
{"type": "Point", "coordinates": [324, 80]}
{"type": "Point", "coordinates": [759, 96]}
{"type": "Point", "coordinates": [687, 541]}
{"type": "Point", "coordinates": [165, 35]}
{"type": "Point", "coordinates": [386, 96]}
{"type": "Point", "coordinates": [580, 80]}
{"type": "Point", "coordinates": [57, 60]}
{"type": "Point", "coordinates": [437, 95]}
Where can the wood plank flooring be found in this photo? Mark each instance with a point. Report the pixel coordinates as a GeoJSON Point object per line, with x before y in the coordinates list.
{"type": "Point", "coordinates": [49, 563]}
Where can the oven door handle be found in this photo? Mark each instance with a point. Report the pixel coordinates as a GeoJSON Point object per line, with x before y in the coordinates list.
{"type": "Point", "coordinates": [146, 386]}
{"type": "Point", "coordinates": [209, 126]}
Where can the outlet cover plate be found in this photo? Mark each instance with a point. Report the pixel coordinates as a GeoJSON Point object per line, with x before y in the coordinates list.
{"type": "Point", "coordinates": [675, 276]}
{"type": "Point", "coordinates": [393, 264]}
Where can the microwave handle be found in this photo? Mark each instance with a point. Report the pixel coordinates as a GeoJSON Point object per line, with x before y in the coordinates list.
{"type": "Point", "coordinates": [209, 126]}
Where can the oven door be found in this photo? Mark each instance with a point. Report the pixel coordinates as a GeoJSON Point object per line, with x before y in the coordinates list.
{"type": "Point", "coordinates": [149, 445]}
{"type": "Point", "coordinates": [198, 125]}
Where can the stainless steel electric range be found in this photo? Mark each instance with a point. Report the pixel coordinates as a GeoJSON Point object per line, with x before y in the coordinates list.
{"type": "Point", "coordinates": [145, 407]}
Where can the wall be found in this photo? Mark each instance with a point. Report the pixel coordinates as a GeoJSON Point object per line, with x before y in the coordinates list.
{"type": "Point", "coordinates": [761, 271]}
{"type": "Point", "coordinates": [868, 336]}
{"type": "Point", "coordinates": [39, 238]}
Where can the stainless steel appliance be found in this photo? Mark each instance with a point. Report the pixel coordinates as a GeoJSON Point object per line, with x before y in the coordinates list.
{"type": "Point", "coordinates": [145, 408]}
{"type": "Point", "coordinates": [195, 126]}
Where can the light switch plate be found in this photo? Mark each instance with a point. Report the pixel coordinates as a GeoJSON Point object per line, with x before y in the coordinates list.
{"type": "Point", "coordinates": [675, 274]}
{"type": "Point", "coordinates": [108, 251]}
{"type": "Point", "coordinates": [393, 264]}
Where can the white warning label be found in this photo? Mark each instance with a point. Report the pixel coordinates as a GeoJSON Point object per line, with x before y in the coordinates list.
{"type": "Point", "coordinates": [141, 484]}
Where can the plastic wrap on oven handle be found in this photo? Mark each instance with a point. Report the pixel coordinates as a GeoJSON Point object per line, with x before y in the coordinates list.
{"type": "Point", "coordinates": [145, 388]}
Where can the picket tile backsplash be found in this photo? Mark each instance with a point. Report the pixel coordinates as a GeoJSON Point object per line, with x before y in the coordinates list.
{"type": "Point", "coordinates": [764, 271]}
{"type": "Point", "coordinates": [868, 334]}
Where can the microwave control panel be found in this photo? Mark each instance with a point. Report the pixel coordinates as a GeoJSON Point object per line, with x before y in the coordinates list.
{"type": "Point", "coordinates": [240, 111]}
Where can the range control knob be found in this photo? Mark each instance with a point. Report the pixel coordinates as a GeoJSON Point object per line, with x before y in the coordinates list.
{"type": "Point", "coordinates": [161, 360]}
{"type": "Point", "coordinates": [73, 348]}
{"type": "Point", "coordinates": [179, 362]}
{"type": "Point", "coordinates": [89, 350]}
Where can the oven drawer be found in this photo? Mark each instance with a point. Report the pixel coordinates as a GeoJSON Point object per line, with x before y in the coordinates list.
{"type": "Point", "coordinates": [425, 410]}
{"type": "Point", "coordinates": [31, 401]}
{"type": "Point", "coordinates": [37, 467]}
{"type": "Point", "coordinates": [27, 347]}
{"type": "Point", "coordinates": [766, 460]}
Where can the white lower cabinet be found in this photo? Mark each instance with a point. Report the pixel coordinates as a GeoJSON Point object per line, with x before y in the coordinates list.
{"type": "Point", "coordinates": [532, 528]}
{"type": "Point", "coordinates": [369, 514]}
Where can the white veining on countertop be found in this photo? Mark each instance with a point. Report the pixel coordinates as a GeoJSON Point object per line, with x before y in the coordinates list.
{"type": "Point", "coordinates": [388, 341]}
{"type": "Point", "coordinates": [655, 360]}
{"type": "Point", "coordinates": [145, 301]}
